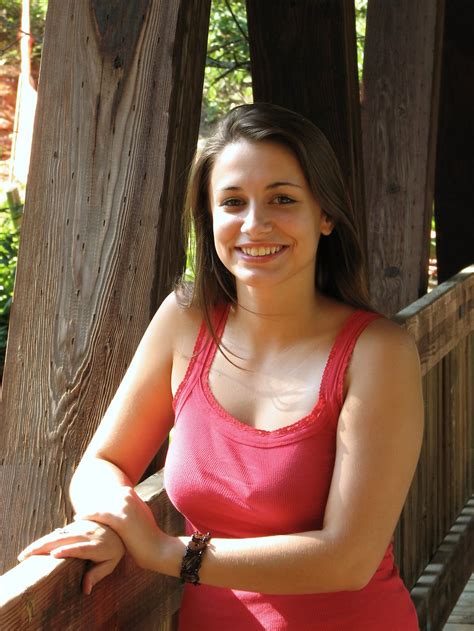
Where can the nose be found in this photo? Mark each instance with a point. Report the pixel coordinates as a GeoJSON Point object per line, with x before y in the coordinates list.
{"type": "Point", "coordinates": [257, 220]}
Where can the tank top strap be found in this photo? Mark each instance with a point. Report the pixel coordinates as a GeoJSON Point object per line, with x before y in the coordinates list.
{"type": "Point", "coordinates": [203, 353]}
{"type": "Point", "coordinates": [332, 386]}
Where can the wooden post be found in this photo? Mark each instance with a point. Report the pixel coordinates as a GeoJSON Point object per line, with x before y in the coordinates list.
{"type": "Point", "coordinates": [116, 127]}
{"type": "Point", "coordinates": [399, 123]}
{"type": "Point", "coordinates": [303, 56]}
{"type": "Point", "coordinates": [454, 190]}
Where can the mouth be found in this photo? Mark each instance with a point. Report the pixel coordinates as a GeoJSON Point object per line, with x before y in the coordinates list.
{"type": "Point", "coordinates": [260, 250]}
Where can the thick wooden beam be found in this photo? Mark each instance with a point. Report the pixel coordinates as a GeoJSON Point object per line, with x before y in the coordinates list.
{"type": "Point", "coordinates": [454, 188]}
{"type": "Point", "coordinates": [441, 319]}
{"type": "Point", "coordinates": [399, 120]}
{"type": "Point", "coordinates": [303, 56]}
{"type": "Point", "coordinates": [45, 593]}
{"type": "Point", "coordinates": [116, 128]}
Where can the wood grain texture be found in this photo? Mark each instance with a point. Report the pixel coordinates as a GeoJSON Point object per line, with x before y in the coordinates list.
{"type": "Point", "coordinates": [440, 585]}
{"type": "Point", "coordinates": [435, 536]}
{"type": "Point", "coordinates": [115, 131]}
{"type": "Point", "coordinates": [43, 593]}
{"type": "Point", "coordinates": [463, 612]}
{"type": "Point", "coordinates": [399, 121]}
{"type": "Point", "coordinates": [303, 56]}
{"type": "Point", "coordinates": [440, 319]}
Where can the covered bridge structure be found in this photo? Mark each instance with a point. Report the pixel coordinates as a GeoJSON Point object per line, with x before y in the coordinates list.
{"type": "Point", "coordinates": [115, 132]}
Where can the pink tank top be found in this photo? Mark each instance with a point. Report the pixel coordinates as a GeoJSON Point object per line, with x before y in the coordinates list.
{"type": "Point", "coordinates": [237, 481]}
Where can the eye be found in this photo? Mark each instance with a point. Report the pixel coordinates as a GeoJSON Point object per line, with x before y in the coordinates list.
{"type": "Point", "coordinates": [231, 202]}
{"type": "Point", "coordinates": [283, 199]}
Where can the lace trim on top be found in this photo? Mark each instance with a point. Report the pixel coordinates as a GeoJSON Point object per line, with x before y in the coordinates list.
{"type": "Point", "coordinates": [301, 423]}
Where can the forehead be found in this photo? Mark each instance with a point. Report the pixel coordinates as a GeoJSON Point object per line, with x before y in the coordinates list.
{"type": "Point", "coordinates": [255, 161]}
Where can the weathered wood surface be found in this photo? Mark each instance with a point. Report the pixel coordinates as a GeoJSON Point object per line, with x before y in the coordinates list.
{"type": "Point", "coordinates": [399, 122]}
{"type": "Point", "coordinates": [44, 593]}
{"type": "Point", "coordinates": [440, 319]}
{"type": "Point", "coordinates": [116, 127]}
{"type": "Point", "coordinates": [454, 190]}
{"type": "Point", "coordinates": [462, 616]}
{"type": "Point", "coordinates": [442, 324]}
{"type": "Point", "coordinates": [443, 580]}
{"type": "Point", "coordinates": [304, 57]}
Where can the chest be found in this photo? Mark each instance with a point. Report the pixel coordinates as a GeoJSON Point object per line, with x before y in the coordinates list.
{"type": "Point", "coordinates": [272, 393]}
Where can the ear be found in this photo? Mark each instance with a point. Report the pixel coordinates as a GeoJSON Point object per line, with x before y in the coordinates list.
{"type": "Point", "coordinates": [327, 224]}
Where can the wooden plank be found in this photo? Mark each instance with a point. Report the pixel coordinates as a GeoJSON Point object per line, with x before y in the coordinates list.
{"type": "Point", "coordinates": [116, 128]}
{"type": "Point", "coordinates": [454, 192]}
{"type": "Point", "coordinates": [303, 56]}
{"type": "Point", "coordinates": [399, 115]}
{"type": "Point", "coordinates": [45, 593]}
{"type": "Point", "coordinates": [440, 486]}
{"type": "Point", "coordinates": [463, 612]}
{"type": "Point", "coordinates": [443, 579]}
{"type": "Point", "coordinates": [440, 319]}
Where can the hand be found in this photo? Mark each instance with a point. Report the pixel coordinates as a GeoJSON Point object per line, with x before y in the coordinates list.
{"type": "Point", "coordinates": [134, 522]}
{"type": "Point", "coordinates": [82, 539]}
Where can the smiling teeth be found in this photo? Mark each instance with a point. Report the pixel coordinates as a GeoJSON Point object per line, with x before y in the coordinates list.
{"type": "Point", "coordinates": [261, 251]}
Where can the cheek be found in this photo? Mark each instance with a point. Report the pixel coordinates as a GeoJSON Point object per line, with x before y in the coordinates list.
{"type": "Point", "coordinates": [225, 227]}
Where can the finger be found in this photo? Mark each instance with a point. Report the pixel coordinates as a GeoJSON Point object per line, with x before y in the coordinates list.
{"type": "Point", "coordinates": [104, 519]}
{"type": "Point", "coordinates": [48, 543]}
{"type": "Point", "coordinates": [79, 550]}
{"type": "Point", "coordinates": [96, 574]}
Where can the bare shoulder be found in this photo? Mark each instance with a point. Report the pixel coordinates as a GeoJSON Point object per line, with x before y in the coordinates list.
{"type": "Point", "coordinates": [385, 360]}
{"type": "Point", "coordinates": [385, 341]}
{"type": "Point", "coordinates": [179, 322]}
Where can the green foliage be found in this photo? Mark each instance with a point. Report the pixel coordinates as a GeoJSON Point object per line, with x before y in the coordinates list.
{"type": "Point", "coordinates": [227, 80]}
{"type": "Point", "coordinates": [10, 20]}
{"type": "Point", "coordinates": [361, 18]}
{"type": "Point", "coordinates": [9, 242]}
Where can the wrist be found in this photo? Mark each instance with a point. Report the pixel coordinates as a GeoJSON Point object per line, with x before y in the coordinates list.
{"type": "Point", "coordinates": [170, 553]}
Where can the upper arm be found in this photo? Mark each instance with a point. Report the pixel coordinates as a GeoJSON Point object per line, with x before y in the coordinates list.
{"type": "Point", "coordinates": [379, 438]}
{"type": "Point", "coordinates": [140, 415]}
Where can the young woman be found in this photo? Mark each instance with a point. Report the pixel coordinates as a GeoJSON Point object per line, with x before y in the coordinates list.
{"type": "Point", "coordinates": [297, 411]}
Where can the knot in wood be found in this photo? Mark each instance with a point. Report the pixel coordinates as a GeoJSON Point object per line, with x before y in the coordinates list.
{"type": "Point", "coordinates": [393, 187]}
{"type": "Point", "coordinates": [391, 272]}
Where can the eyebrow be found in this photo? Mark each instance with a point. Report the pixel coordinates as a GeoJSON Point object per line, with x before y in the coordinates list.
{"type": "Point", "coordinates": [270, 186]}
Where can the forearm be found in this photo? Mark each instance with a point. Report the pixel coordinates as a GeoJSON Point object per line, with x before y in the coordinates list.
{"type": "Point", "coordinates": [95, 484]}
{"type": "Point", "coordinates": [303, 563]}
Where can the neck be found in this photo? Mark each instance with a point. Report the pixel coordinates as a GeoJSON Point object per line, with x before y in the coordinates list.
{"type": "Point", "coordinates": [269, 316]}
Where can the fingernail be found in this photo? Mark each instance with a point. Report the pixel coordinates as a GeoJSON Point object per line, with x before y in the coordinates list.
{"type": "Point", "coordinates": [21, 556]}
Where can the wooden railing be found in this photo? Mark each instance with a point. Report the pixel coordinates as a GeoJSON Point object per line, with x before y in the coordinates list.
{"type": "Point", "coordinates": [44, 593]}
{"type": "Point", "coordinates": [435, 536]}
{"type": "Point", "coordinates": [434, 540]}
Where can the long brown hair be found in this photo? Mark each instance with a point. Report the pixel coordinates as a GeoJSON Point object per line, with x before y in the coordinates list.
{"type": "Point", "coordinates": [341, 269]}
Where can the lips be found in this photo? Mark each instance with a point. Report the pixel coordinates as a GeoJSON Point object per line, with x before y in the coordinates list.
{"type": "Point", "coordinates": [260, 250]}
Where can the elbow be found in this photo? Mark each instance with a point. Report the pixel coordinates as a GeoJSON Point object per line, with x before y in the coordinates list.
{"type": "Point", "coordinates": [357, 582]}
{"type": "Point", "coordinates": [358, 576]}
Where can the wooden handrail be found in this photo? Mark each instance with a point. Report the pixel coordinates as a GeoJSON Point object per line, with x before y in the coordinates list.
{"type": "Point", "coordinates": [442, 324]}
{"type": "Point", "coordinates": [440, 319]}
{"type": "Point", "coordinates": [45, 593]}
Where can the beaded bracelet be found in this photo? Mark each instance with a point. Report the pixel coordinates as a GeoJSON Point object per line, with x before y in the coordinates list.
{"type": "Point", "coordinates": [192, 559]}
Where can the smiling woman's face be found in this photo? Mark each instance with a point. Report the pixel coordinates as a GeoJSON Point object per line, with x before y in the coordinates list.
{"type": "Point", "coordinates": [266, 220]}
